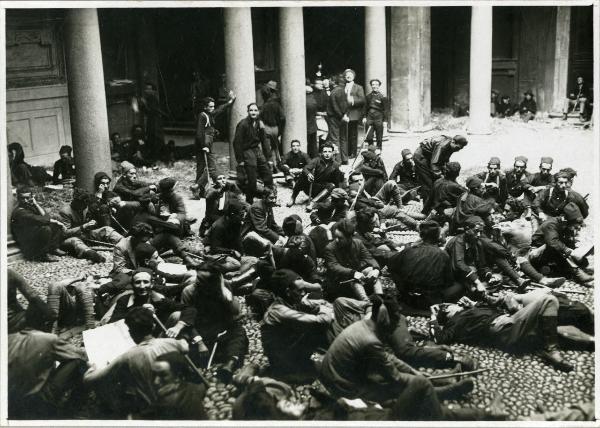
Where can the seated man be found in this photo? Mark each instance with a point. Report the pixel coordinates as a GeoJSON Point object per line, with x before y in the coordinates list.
{"type": "Point", "coordinates": [296, 238]}
{"type": "Point", "coordinates": [177, 317]}
{"type": "Point", "coordinates": [37, 235]}
{"type": "Point", "coordinates": [505, 107]}
{"type": "Point", "coordinates": [471, 203]}
{"type": "Point", "coordinates": [544, 178]}
{"type": "Point", "coordinates": [80, 228]}
{"type": "Point", "coordinates": [320, 176]}
{"type": "Point", "coordinates": [445, 193]}
{"type": "Point", "coordinates": [218, 321]}
{"type": "Point", "coordinates": [350, 266]}
{"type": "Point", "coordinates": [293, 163]}
{"type": "Point", "coordinates": [551, 201]}
{"type": "Point", "coordinates": [404, 174]}
{"type": "Point", "coordinates": [422, 272]}
{"type": "Point", "coordinates": [44, 372]}
{"type": "Point", "coordinates": [71, 303]}
{"type": "Point", "coordinates": [528, 107]}
{"type": "Point", "coordinates": [554, 244]}
{"type": "Point", "coordinates": [171, 206]}
{"type": "Point", "coordinates": [179, 395]}
{"type": "Point", "coordinates": [532, 324]}
{"type": "Point", "coordinates": [16, 316]}
{"type": "Point", "coordinates": [390, 213]}
{"type": "Point", "coordinates": [577, 99]}
{"type": "Point", "coordinates": [127, 382]}
{"type": "Point", "coordinates": [128, 187]}
{"type": "Point", "coordinates": [261, 221]}
{"type": "Point", "coordinates": [218, 197]}
{"type": "Point", "coordinates": [332, 209]}
{"type": "Point", "coordinates": [373, 237]}
{"type": "Point", "coordinates": [518, 180]}
{"type": "Point", "coordinates": [357, 365]}
{"type": "Point", "coordinates": [373, 169]}
{"type": "Point", "coordinates": [494, 182]}
{"type": "Point", "coordinates": [147, 257]}
{"type": "Point", "coordinates": [517, 232]}
{"type": "Point", "coordinates": [64, 168]}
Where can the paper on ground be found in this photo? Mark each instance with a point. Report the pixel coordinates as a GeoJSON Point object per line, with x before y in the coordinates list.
{"type": "Point", "coordinates": [104, 344]}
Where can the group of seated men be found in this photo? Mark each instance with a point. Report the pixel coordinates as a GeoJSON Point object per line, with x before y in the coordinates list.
{"type": "Point", "coordinates": [486, 269]}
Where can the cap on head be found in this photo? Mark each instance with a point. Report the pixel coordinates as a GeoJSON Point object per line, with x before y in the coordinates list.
{"type": "Point", "coordinates": [405, 153]}
{"type": "Point", "coordinates": [126, 167]}
{"type": "Point", "coordinates": [573, 213]}
{"type": "Point", "coordinates": [473, 182]}
{"type": "Point", "coordinates": [166, 184]}
{"type": "Point", "coordinates": [461, 140]}
{"type": "Point", "coordinates": [546, 159]}
{"type": "Point", "coordinates": [338, 193]}
{"type": "Point", "coordinates": [349, 70]}
{"type": "Point", "coordinates": [473, 221]}
{"type": "Point", "coordinates": [494, 161]}
{"type": "Point", "coordinates": [522, 159]}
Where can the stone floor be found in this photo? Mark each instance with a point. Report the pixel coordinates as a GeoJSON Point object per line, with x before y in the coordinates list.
{"type": "Point", "coordinates": [522, 380]}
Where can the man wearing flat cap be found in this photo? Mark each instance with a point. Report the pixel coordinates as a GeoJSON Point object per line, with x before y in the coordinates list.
{"type": "Point", "coordinates": [551, 201]}
{"type": "Point", "coordinates": [528, 107]}
{"type": "Point", "coordinates": [431, 158]}
{"type": "Point", "coordinates": [494, 182]}
{"type": "Point", "coordinates": [355, 100]}
{"type": "Point", "coordinates": [554, 245]}
{"type": "Point", "coordinates": [471, 204]}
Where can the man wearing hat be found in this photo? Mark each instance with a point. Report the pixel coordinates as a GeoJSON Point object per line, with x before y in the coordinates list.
{"type": "Point", "coordinates": [404, 173]}
{"type": "Point", "coordinates": [267, 89]}
{"type": "Point", "coordinates": [471, 203]}
{"type": "Point", "coordinates": [555, 241]}
{"type": "Point", "coordinates": [551, 201]}
{"type": "Point", "coordinates": [128, 187]}
{"type": "Point", "coordinates": [431, 158]}
{"type": "Point", "coordinates": [355, 101]}
{"type": "Point", "coordinates": [518, 180]}
{"type": "Point", "coordinates": [373, 169]}
{"type": "Point", "coordinates": [544, 178]}
{"type": "Point", "coordinates": [494, 182]}
{"type": "Point", "coordinates": [375, 113]}
{"type": "Point", "coordinates": [528, 107]}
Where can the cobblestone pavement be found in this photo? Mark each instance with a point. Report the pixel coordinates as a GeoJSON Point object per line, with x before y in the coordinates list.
{"type": "Point", "coordinates": [522, 380]}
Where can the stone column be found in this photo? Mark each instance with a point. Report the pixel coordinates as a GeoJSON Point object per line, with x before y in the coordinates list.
{"type": "Point", "coordinates": [410, 90]}
{"type": "Point", "coordinates": [561, 57]}
{"type": "Point", "coordinates": [239, 66]}
{"type": "Point", "coordinates": [480, 81]}
{"type": "Point", "coordinates": [375, 46]}
{"type": "Point", "coordinates": [87, 99]}
{"type": "Point", "coordinates": [292, 75]}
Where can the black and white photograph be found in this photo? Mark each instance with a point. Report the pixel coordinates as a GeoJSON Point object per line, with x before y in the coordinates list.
{"type": "Point", "coordinates": [341, 212]}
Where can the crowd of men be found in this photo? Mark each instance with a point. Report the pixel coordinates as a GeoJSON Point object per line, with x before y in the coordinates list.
{"type": "Point", "coordinates": [487, 270]}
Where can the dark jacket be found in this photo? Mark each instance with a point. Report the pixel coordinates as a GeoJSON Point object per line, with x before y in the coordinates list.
{"type": "Point", "coordinates": [528, 106]}
{"type": "Point", "coordinates": [445, 194]}
{"type": "Point", "coordinates": [468, 261]}
{"type": "Point", "coordinates": [405, 175]}
{"type": "Point", "coordinates": [435, 152]}
{"type": "Point", "coordinates": [325, 172]}
{"type": "Point", "coordinates": [222, 237]}
{"type": "Point", "coordinates": [322, 99]}
{"type": "Point", "coordinates": [163, 307]}
{"type": "Point", "coordinates": [551, 233]}
{"type": "Point", "coordinates": [552, 202]}
{"type": "Point", "coordinates": [500, 193]}
{"type": "Point", "coordinates": [205, 127]}
{"type": "Point", "coordinates": [343, 262]}
{"type": "Point", "coordinates": [64, 169]}
{"type": "Point", "coordinates": [376, 106]}
{"type": "Point", "coordinates": [130, 191]}
{"type": "Point", "coordinates": [326, 212]}
{"type": "Point", "coordinates": [337, 105]}
{"type": "Point", "coordinates": [517, 184]}
{"type": "Point", "coordinates": [469, 326]}
{"type": "Point", "coordinates": [311, 114]}
{"type": "Point", "coordinates": [249, 135]}
{"type": "Point", "coordinates": [296, 160]}
{"type": "Point", "coordinates": [261, 220]}
{"type": "Point", "coordinates": [271, 113]}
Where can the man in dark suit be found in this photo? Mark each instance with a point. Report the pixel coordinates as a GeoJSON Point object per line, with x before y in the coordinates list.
{"type": "Point", "coordinates": [578, 97]}
{"type": "Point", "coordinates": [355, 100]}
{"type": "Point", "coordinates": [336, 109]}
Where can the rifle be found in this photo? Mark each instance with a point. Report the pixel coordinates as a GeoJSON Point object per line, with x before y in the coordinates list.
{"type": "Point", "coordinates": [447, 375]}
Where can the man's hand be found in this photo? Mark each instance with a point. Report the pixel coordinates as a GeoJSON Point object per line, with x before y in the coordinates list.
{"type": "Point", "coordinates": [373, 274]}
{"type": "Point", "coordinates": [91, 368]}
{"type": "Point", "coordinates": [364, 121]}
{"type": "Point", "coordinates": [280, 242]}
{"type": "Point", "coordinates": [241, 163]}
{"type": "Point", "coordinates": [310, 177]}
{"type": "Point", "coordinates": [466, 302]}
{"type": "Point", "coordinates": [205, 149]}
{"type": "Point", "coordinates": [152, 187]}
{"type": "Point", "coordinates": [232, 96]}
{"type": "Point", "coordinates": [345, 118]}
{"type": "Point", "coordinates": [174, 331]}
{"type": "Point", "coordinates": [149, 306]}
{"type": "Point", "coordinates": [89, 225]}
{"type": "Point", "coordinates": [495, 279]}
{"type": "Point", "coordinates": [358, 276]}
{"type": "Point", "coordinates": [58, 223]}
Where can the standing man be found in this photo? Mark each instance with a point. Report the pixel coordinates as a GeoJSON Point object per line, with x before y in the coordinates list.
{"type": "Point", "coordinates": [376, 113]}
{"type": "Point", "coordinates": [273, 118]}
{"type": "Point", "coordinates": [252, 151]}
{"type": "Point", "coordinates": [206, 132]}
{"type": "Point", "coordinates": [355, 99]}
{"type": "Point", "coordinates": [336, 110]}
{"type": "Point", "coordinates": [431, 158]}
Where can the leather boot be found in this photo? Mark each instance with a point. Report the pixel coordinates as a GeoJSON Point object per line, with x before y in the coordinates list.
{"type": "Point", "coordinates": [94, 256]}
{"type": "Point", "coordinates": [237, 283]}
{"type": "Point", "coordinates": [455, 390]}
{"type": "Point", "coordinates": [550, 353]}
{"type": "Point", "coordinates": [467, 364]}
{"type": "Point", "coordinates": [581, 277]}
{"type": "Point", "coordinates": [552, 282]}
{"type": "Point", "coordinates": [397, 197]}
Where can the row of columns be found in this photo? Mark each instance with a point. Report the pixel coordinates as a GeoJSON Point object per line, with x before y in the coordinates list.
{"type": "Point", "coordinates": [410, 79]}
